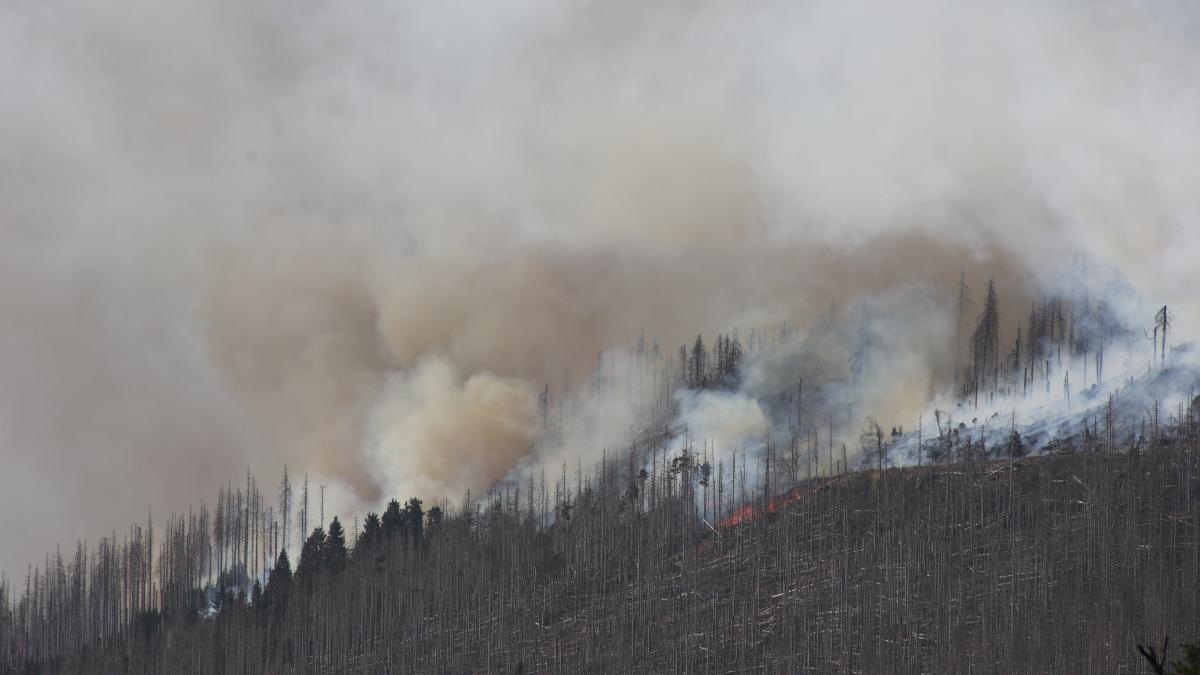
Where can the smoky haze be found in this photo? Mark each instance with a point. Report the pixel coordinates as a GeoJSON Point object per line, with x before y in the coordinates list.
{"type": "Point", "coordinates": [359, 238]}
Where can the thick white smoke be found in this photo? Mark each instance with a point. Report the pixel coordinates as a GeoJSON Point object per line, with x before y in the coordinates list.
{"type": "Point", "coordinates": [480, 428]}
{"type": "Point", "coordinates": [724, 422]}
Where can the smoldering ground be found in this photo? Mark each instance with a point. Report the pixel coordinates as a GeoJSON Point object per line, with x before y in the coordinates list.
{"type": "Point", "coordinates": [360, 239]}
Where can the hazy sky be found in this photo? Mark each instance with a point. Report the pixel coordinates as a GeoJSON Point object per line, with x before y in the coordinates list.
{"type": "Point", "coordinates": [354, 237]}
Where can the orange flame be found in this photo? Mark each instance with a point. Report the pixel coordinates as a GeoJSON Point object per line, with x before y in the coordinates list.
{"type": "Point", "coordinates": [748, 512]}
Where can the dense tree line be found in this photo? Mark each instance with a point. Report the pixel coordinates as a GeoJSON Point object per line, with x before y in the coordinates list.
{"type": "Point", "coordinates": [676, 563]}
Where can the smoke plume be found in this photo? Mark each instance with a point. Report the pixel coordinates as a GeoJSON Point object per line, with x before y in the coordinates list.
{"type": "Point", "coordinates": [361, 239]}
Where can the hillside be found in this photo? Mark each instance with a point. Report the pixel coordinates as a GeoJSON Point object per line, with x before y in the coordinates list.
{"type": "Point", "coordinates": [1054, 564]}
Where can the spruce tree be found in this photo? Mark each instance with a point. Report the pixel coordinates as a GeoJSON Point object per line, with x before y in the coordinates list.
{"type": "Point", "coordinates": [372, 532]}
{"type": "Point", "coordinates": [414, 518]}
{"type": "Point", "coordinates": [334, 552]}
{"type": "Point", "coordinates": [311, 556]}
{"type": "Point", "coordinates": [698, 364]}
{"type": "Point", "coordinates": [393, 520]}
{"type": "Point", "coordinates": [279, 586]}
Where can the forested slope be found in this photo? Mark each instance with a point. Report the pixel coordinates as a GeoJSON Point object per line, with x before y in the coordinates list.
{"type": "Point", "coordinates": [1054, 564]}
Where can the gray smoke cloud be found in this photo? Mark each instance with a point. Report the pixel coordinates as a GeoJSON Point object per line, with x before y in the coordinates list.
{"type": "Point", "coordinates": [360, 238]}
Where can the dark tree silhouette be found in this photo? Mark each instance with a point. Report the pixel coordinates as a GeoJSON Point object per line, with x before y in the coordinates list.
{"type": "Point", "coordinates": [985, 344]}
{"type": "Point", "coordinates": [414, 519]}
{"type": "Point", "coordinates": [372, 532]}
{"type": "Point", "coordinates": [279, 586]}
{"type": "Point", "coordinates": [393, 520]}
{"type": "Point", "coordinates": [312, 555]}
{"type": "Point", "coordinates": [698, 364]}
{"type": "Point", "coordinates": [333, 552]}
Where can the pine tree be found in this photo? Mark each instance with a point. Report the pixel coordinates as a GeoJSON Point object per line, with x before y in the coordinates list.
{"type": "Point", "coordinates": [372, 532]}
{"type": "Point", "coordinates": [334, 551]}
{"type": "Point", "coordinates": [734, 358]}
{"type": "Point", "coordinates": [279, 586]}
{"type": "Point", "coordinates": [698, 364]}
{"type": "Point", "coordinates": [414, 519]}
{"type": "Point", "coordinates": [393, 520]}
{"type": "Point", "coordinates": [985, 343]}
{"type": "Point", "coordinates": [311, 557]}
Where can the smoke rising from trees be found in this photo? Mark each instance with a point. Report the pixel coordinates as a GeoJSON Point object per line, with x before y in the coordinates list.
{"type": "Point", "coordinates": [361, 239]}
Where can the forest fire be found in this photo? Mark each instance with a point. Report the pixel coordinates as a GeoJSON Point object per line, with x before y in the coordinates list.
{"type": "Point", "coordinates": [542, 337]}
{"type": "Point", "coordinates": [750, 512]}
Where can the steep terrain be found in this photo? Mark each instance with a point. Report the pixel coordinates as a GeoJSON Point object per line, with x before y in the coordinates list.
{"type": "Point", "coordinates": [1056, 564]}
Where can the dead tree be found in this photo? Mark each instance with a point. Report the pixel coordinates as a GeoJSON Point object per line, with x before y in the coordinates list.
{"type": "Point", "coordinates": [964, 302]}
{"type": "Point", "coordinates": [872, 438]}
{"type": "Point", "coordinates": [1014, 359]}
{"type": "Point", "coordinates": [862, 350]}
{"type": "Point", "coordinates": [1162, 321]}
{"type": "Point", "coordinates": [1157, 660]}
{"type": "Point", "coordinates": [285, 506]}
